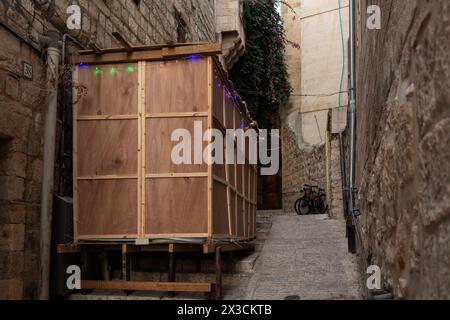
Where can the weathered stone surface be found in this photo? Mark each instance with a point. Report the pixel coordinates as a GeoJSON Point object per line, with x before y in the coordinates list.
{"type": "Point", "coordinates": [11, 289]}
{"type": "Point", "coordinates": [404, 146]}
{"type": "Point", "coordinates": [301, 165]}
{"type": "Point", "coordinates": [12, 236]}
{"type": "Point", "coordinates": [305, 256]}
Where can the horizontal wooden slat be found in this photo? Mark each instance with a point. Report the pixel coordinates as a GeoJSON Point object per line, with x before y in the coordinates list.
{"type": "Point", "coordinates": [177, 115]}
{"type": "Point", "coordinates": [210, 248]}
{"type": "Point", "coordinates": [206, 49]}
{"type": "Point", "coordinates": [142, 47]}
{"type": "Point", "coordinates": [176, 235]}
{"type": "Point", "coordinates": [150, 55]}
{"type": "Point", "coordinates": [118, 237]}
{"type": "Point", "coordinates": [109, 177]}
{"type": "Point", "coordinates": [176, 175]}
{"type": "Point", "coordinates": [67, 248]}
{"type": "Point", "coordinates": [147, 286]}
{"type": "Point", "coordinates": [117, 117]}
{"type": "Point", "coordinates": [181, 247]}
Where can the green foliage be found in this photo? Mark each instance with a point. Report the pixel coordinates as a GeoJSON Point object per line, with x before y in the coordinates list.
{"type": "Point", "coordinates": [260, 76]}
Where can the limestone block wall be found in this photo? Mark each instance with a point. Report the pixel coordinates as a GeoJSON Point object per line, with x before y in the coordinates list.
{"type": "Point", "coordinates": [301, 165]}
{"type": "Point", "coordinates": [230, 29]}
{"type": "Point", "coordinates": [315, 71]}
{"type": "Point", "coordinates": [321, 64]}
{"type": "Point", "coordinates": [403, 146]}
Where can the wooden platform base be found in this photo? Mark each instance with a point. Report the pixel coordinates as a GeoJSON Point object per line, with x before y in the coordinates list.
{"type": "Point", "coordinates": [212, 290]}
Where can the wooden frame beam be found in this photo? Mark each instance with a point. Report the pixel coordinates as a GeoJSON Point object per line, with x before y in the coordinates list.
{"type": "Point", "coordinates": [146, 286]}
{"type": "Point", "coordinates": [122, 41]}
{"type": "Point", "coordinates": [149, 55]}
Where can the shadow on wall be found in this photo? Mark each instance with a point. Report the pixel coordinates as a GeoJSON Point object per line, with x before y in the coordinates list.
{"type": "Point", "coordinates": [270, 192]}
{"type": "Point", "coordinates": [300, 166]}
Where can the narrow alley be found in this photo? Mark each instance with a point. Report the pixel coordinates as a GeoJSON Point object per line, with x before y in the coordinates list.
{"type": "Point", "coordinates": [310, 252]}
{"type": "Point", "coordinates": [208, 150]}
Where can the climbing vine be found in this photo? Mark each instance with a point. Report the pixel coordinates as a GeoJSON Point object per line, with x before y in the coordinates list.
{"type": "Point", "coordinates": [261, 76]}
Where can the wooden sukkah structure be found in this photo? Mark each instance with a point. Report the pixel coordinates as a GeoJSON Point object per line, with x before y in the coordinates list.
{"type": "Point", "coordinates": [128, 193]}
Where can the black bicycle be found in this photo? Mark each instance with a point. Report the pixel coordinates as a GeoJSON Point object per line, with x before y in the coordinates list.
{"type": "Point", "coordinates": [313, 201]}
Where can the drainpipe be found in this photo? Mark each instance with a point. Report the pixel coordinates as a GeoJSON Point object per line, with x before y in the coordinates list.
{"type": "Point", "coordinates": [52, 43]}
{"type": "Point", "coordinates": [343, 173]}
{"type": "Point", "coordinates": [352, 133]}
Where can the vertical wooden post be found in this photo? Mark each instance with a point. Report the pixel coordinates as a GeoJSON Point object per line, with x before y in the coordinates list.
{"type": "Point", "coordinates": [172, 270]}
{"type": "Point", "coordinates": [210, 167]}
{"type": "Point", "coordinates": [105, 265]}
{"type": "Point", "coordinates": [75, 156]}
{"type": "Point", "coordinates": [84, 266]}
{"type": "Point", "coordinates": [84, 263]}
{"type": "Point", "coordinates": [218, 290]}
{"type": "Point", "coordinates": [126, 263]}
{"type": "Point", "coordinates": [141, 148]}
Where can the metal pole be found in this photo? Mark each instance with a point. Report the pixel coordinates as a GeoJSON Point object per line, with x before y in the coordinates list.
{"type": "Point", "coordinates": [343, 174]}
{"type": "Point", "coordinates": [53, 57]}
{"type": "Point", "coordinates": [352, 125]}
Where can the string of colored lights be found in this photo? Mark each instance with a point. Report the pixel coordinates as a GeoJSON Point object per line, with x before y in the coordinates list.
{"type": "Point", "coordinates": [229, 91]}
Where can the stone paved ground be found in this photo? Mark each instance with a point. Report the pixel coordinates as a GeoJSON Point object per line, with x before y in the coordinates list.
{"type": "Point", "coordinates": [295, 255]}
{"type": "Point", "coordinates": [305, 256]}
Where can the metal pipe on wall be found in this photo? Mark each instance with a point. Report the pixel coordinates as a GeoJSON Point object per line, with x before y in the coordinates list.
{"type": "Point", "coordinates": [343, 173]}
{"type": "Point", "coordinates": [52, 43]}
{"type": "Point", "coordinates": [352, 124]}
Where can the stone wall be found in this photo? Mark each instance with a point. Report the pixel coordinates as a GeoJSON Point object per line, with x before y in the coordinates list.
{"type": "Point", "coordinates": [301, 165]}
{"type": "Point", "coordinates": [337, 123]}
{"type": "Point", "coordinates": [321, 63]}
{"type": "Point", "coordinates": [403, 148]}
{"type": "Point", "coordinates": [334, 182]}
{"type": "Point", "coordinates": [230, 28]}
{"type": "Point", "coordinates": [314, 73]}
{"type": "Point", "coordinates": [22, 103]}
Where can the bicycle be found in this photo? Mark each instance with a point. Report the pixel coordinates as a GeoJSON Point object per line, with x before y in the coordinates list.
{"type": "Point", "coordinates": [312, 201]}
{"type": "Point", "coordinates": [303, 205]}
{"type": "Point", "coordinates": [319, 201]}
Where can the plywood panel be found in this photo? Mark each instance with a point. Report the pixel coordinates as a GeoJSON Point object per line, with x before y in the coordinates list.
{"type": "Point", "coordinates": [107, 147]}
{"type": "Point", "coordinates": [109, 91]}
{"type": "Point", "coordinates": [233, 213]}
{"type": "Point", "coordinates": [176, 205]}
{"type": "Point", "coordinates": [107, 207]}
{"type": "Point", "coordinates": [248, 216]}
{"type": "Point", "coordinates": [177, 86]}
{"type": "Point", "coordinates": [220, 209]}
{"type": "Point", "coordinates": [159, 145]}
{"type": "Point", "coordinates": [219, 169]}
{"type": "Point", "coordinates": [218, 97]}
{"type": "Point", "coordinates": [240, 217]}
{"type": "Point", "coordinates": [240, 178]}
{"type": "Point", "coordinates": [229, 113]}
{"type": "Point", "coordinates": [237, 120]}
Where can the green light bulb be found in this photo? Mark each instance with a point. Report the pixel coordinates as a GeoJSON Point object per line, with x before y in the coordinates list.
{"type": "Point", "coordinates": [130, 69]}
{"type": "Point", "coordinates": [113, 71]}
{"type": "Point", "coordinates": [97, 71]}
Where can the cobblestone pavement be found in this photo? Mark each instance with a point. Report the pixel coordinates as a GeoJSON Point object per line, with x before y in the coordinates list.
{"type": "Point", "coordinates": [305, 256]}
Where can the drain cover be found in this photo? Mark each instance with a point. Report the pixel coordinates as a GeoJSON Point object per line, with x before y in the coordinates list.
{"type": "Point", "coordinates": [292, 298]}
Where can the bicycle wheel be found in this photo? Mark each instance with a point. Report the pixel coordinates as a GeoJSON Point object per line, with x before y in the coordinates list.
{"type": "Point", "coordinates": [303, 206]}
{"type": "Point", "coordinates": [320, 206]}
{"type": "Point", "coordinates": [296, 207]}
